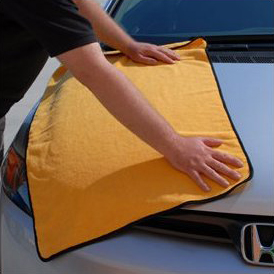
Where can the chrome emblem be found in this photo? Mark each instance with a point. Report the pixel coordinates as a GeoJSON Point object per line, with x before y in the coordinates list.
{"type": "Point", "coordinates": [257, 249]}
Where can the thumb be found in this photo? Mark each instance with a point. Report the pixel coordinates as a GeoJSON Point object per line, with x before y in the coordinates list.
{"type": "Point", "coordinates": [211, 142]}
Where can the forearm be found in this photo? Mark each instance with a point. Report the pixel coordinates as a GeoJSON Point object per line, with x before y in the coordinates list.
{"type": "Point", "coordinates": [191, 155]}
{"type": "Point", "coordinates": [127, 104]}
{"type": "Point", "coordinates": [122, 99]}
{"type": "Point", "coordinates": [104, 26]}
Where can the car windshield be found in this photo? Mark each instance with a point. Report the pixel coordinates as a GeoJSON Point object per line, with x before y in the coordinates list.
{"type": "Point", "coordinates": [170, 20]}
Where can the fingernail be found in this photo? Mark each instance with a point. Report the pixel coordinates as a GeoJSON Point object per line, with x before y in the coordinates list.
{"type": "Point", "coordinates": [226, 184]}
{"type": "Point", "coordinates": [241, 164]}
{"type": "Point", "coordinates": [206, 188]}
{"type": "Point", "coordinates": [239, 175]}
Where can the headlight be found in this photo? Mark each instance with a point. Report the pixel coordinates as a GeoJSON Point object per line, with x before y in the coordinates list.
{"type": "Point", "coordinates": [14, 179]}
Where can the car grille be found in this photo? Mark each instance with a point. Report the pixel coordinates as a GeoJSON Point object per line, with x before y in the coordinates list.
{"type": "Point", "coordinates": [242, 57]}
{"type": "Point", "coordinates": [235, 229]}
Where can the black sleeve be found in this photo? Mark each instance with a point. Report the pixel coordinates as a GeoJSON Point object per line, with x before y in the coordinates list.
{"type": "Point", "coordinates": [56, 24]}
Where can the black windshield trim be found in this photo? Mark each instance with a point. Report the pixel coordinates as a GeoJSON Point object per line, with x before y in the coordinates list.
{"type": "Point", "coordinates": [231, 39]}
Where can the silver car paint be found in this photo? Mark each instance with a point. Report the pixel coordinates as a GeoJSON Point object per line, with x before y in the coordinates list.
{"type": "Point", "coordinates": [132, 252]}
{"type": "Point", "coordinates": [248, 89]}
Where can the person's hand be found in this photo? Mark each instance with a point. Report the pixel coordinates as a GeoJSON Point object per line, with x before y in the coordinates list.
{"type": "Point", "coordinates": [150, 54]}
{"type": "Point", "coordinates": [196, 157]}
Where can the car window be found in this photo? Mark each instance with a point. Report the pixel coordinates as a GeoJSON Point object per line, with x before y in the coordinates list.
{"type": "Point", "coordinates": [193, 18]}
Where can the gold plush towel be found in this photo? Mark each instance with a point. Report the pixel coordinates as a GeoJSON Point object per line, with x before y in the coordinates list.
{"type": "Point", "coordinates": [89, 176]}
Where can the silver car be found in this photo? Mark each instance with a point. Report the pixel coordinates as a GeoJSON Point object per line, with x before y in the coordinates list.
{"type": "Point", "coordinates": [232, 235]}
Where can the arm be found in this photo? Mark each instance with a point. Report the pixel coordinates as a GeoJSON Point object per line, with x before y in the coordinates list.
{"type": "Point", "coordinates": [110, 33]}
{"type": "Point", "coordinates": [191, 155]}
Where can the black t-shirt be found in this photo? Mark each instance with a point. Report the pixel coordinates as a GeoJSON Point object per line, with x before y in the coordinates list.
{"type": "Point", "coordinates": [30, 31]}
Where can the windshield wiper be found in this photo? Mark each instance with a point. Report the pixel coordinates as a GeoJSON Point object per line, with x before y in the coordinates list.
{"type": "Point", "coordinates": [265, 38]}
{"type": "Point", "coordinates": [241, 42]}
{"type": "Point", "coordinates": [242, 47]}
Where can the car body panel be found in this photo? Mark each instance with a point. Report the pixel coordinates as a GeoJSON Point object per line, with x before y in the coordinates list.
{"type": "Point", "coordinates": [129, 252]}
{"type": "Point", "coordinates": [136, 251]}
{"type": "Point", "coordinates": [249, 96]}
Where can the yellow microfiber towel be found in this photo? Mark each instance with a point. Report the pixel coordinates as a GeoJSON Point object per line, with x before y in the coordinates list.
{"type": "Point", "coordinates": [89, 176]}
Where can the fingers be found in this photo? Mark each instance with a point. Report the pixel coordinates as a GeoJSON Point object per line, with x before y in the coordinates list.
{"type": "Point", "coordinates": [196, 157]}
{"type": "Point", "coordinates": [150, 54]}
{"type": "Point", "coordinates": [147, 60]}
{"type": "Point", "coordinates": [195, 176]}
{"type": "Point", "coordinates": [222, 157]}
{"type": "Point", "coordinates": [213, 175]}
{"type": "Point", "coordinates": [211, 142]}
{"type": "Point", "coordinates": [227, 159]}
{"type": "Point", "coordinates": [160, 56]}
{"type": "Point", "coordinates": [224, 169]}
{"type": "Point", "coordinates": [170, 53]}
{"type": "Point", "coordinates": [163, 54]}
{"type": "Point", "coordinates": [211, 171]}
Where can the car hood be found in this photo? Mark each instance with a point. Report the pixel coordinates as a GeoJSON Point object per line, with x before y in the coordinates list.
{"type": "Point", "coordinates": [248, 93]}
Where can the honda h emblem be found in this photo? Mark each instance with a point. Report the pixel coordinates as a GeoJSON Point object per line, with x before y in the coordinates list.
{"type": "Point", "coordinates": [254, 252]}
